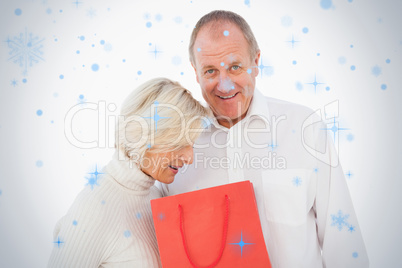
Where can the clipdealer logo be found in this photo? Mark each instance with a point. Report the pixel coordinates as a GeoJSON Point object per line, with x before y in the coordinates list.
{"type": "Point", "coordinates": [107, 121]}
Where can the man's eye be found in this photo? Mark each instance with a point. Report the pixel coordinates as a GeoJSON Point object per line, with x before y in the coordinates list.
{"type": "Point", "coordinates": [210, 71]}
{"type": "Point", "coordinates": [235, 67]}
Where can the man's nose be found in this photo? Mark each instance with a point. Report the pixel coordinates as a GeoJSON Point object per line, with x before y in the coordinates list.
{"type": "Point", "coordinates": [225, 84]}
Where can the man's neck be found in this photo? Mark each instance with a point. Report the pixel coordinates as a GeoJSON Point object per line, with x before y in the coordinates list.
{"type": "Point", "coordinates": [231, 123]}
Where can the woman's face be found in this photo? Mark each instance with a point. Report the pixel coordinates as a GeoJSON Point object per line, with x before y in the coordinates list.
{"type": "Point", "coordinates": [164, 166]}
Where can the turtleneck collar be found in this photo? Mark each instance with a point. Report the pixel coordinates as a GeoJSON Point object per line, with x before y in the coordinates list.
{"type": "Point", "coordinates": [128, 174]}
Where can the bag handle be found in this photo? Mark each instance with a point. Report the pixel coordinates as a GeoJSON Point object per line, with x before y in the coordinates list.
{"type": "Point", "coordinates": [224, 235]}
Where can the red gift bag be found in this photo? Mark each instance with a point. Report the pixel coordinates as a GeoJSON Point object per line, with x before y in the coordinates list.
{"type": "Point", "coordinates": [214, 227]}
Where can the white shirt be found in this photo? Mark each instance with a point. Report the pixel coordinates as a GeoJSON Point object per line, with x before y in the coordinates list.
{"type": "Point", "coordinates": [305, 209]}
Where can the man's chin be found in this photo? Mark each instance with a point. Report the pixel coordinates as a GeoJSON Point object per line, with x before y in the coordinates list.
{"type": "Point", "coordinates": [228, 120]}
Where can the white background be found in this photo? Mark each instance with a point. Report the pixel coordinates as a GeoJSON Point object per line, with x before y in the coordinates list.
{"type": "Point", "coordinates": [41, 172]}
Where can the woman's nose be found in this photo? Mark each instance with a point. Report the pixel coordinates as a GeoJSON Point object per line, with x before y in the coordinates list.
{"type": "Point", "coordinates": [187, 155]}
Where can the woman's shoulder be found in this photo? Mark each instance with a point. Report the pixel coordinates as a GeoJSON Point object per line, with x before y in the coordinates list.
{"type": "Point", "coordinates": [101, 198]}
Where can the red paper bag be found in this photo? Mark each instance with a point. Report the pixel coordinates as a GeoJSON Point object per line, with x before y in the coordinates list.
{"type": "Point", "coordinates": [214, 227]}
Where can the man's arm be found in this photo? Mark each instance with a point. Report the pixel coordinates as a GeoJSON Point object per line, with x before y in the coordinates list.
{"type": "Point", "coordinates": [337, 226]}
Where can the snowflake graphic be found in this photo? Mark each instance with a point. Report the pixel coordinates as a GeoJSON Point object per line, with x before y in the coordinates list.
{"type": "Point", "coordinates": [91, 13]}
{"type": "Point", "coordinates": [156, 117]}
{"type": "Point", "coordinates": [161, 216]}
{"type": "Point", "coordinates": [81, 100]}
{"type": "Point", "coordinates": [127, 233]}
{"type": "Point", "coordinates": [241, 243]}
{"type": "Point", "coordinates": [297, 181]}
{"type": "Point", "coordinates": [96, 173]}
{"type": "Point", "coordinates": [59, 242]}
{"type": "Point", "coordinates": [14, 83]}
{"type": "Point", "coordinates": [335, 128]}
{"type": "Point", "coordinates": [77, 3]}
{"type": "Point", "coordinates": [25, 50]}
{"type": "Point", "coordinates": [340, 220]}
{"type": "Point", "coordinates": [92, 181]}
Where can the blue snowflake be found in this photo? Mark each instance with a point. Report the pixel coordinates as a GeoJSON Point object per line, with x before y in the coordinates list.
{"type": "Point", "coordinates": [349, 174]}
{"type": "Point", "coordinates": [156, 117]}
{"type": "Point", "coordinates": [127, 233]}
{"type": "Point", "coordinates": [340, 220]}
{"type": "Point", "coordinates": [376, 70]}
{"type": "Point", "coordinates": [297, 181]}
{"type": "Point", "coordinates": [241, 243]}
{"type": "Point", "coordinates": [92, 181]}
{"type": "Point", "coordinates": [96, 172]}
{"type": "Point", "coordinates": [81, 100]}
{"type": "Point", "coordinates": [286, 21]}
{"type": "Point", "coordinates": [268, 69]}
{"type": "Point", "coordinates": [161, 216]}
{"type": "Point", "coordinates": [91, 13]}
{"type": "Point", "coordinates": [273, 146]}
{"type": "Point", "coordinates": [14, 83]}
{"type": "Point", "coordinates": [350, 137]}
{"type": "Point", "coordinates": [351, 228]}
{"type": "Point", "coordinates": [293, 41]}
{"type": "Point", "coordinates": [158, 17]}
{"type": "Point", "coordinates": [155, 51]}
{"type": "Point", "coordinates": [59, 242]}
{"type": "Point", "coordinates": [25, 49]}
{"type": "Point", "coordinates": [77, 3]}
{"type": "Point", "coordinates": [335, 128]}
{"type": "Point", "coordinates": [315, 83]}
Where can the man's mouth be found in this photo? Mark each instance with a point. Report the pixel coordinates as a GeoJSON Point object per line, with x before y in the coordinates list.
{"type": "Point", "coordinates": [228, 97]}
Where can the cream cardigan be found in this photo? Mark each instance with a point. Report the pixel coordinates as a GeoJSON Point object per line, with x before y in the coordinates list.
{"type": "Point", "coordinates": [110, 222]}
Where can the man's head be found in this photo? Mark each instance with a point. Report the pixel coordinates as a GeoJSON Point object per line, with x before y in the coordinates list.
{"type": "Point", "coordinates": [225, 55]}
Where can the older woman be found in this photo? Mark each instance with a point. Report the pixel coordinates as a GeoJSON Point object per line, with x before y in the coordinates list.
{"type": "Point", "coordinates": [110, 224]}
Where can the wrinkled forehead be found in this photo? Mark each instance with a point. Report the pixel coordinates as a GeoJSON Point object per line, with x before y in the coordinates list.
{"type": "Point", "coordinates": [220, 38]}
{"type": "Point", "coordinates": [216, 30]}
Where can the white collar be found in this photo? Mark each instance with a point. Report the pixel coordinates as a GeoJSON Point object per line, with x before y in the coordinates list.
{"type": "Point", "coordinates": [258, 107]}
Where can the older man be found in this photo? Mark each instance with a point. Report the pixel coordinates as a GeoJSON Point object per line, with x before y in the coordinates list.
{"type": "Point", "coordinates": [306, 212]}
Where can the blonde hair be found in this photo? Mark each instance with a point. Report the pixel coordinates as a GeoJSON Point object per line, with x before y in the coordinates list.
{"type": "Point", "coordinates": [221, 16]}
{"type": "Point", "coordinates": [160, 115]}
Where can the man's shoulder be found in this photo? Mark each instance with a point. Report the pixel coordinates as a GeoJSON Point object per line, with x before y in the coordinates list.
{"type": "Point", "coordinates": [278, 105]}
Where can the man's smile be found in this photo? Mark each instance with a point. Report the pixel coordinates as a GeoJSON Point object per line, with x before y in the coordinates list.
{"type": "Point", "coordinates": [228, 97]}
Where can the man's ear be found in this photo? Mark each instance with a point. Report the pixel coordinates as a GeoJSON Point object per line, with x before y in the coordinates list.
{"type": "Point", "coordinates": [196, 75]}
{"type": "Point", "coordinates": [256, 61]}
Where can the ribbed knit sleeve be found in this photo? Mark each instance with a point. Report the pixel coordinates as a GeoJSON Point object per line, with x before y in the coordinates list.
{"type": "Point", "coordinates": [109, 224]}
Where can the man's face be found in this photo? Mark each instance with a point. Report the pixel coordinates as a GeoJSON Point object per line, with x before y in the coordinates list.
{"type": "Point", "coordinates": [225, 71]}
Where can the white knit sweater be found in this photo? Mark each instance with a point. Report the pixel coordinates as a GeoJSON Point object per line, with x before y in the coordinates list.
{"type": "Point", "coordinates": [110, 222]}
